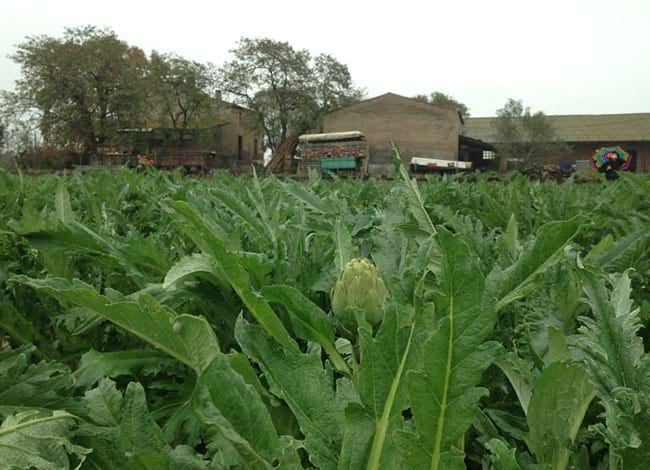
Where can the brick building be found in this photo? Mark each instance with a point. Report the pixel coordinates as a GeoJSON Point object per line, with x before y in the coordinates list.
{"type": "Point", "coordinates": [585, 133]}
{"type": "Point", "coordinates": [232, 142]}
{"type": "Point", "coordinates": [425, 130]}
{"type": "Point", "coordinates": [418, 129]}
{"type": "Point", "coordinates": [240, 138]}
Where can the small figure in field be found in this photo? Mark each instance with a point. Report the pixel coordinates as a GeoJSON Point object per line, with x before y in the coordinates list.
{"type": "Point", "coordinates": [610, 160]}
{"type": "Point", "coordinates": [611, 166]}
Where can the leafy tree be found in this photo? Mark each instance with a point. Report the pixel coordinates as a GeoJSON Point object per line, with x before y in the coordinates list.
{"type": "Point", "coordinates": [19, 126]}
{"type": "Point", "coordinates": [445, 101]}
{"type": "Point", "coordinates": [181, 92]}
{"type": "Point", "coordinates": [525, 137]}
{"type": "Point", "coordinates": [83, 86]}
{"type": "Point", "coordinates": [286, 88]}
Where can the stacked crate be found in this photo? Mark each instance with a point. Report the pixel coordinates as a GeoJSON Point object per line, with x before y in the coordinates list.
{"type": "Point", "coordinates": [348, 149]}
{"type": "Point", "coordinates": [315, 148]}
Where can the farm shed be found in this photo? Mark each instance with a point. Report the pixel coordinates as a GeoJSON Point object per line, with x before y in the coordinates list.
{"type": "Point", "coordinates": [473, 150]}
{"type": "Point", "coordinates": [233, 142]}
{"type": "Point", "coordinates": [585, 133]}
{"type": "Point", "coordinates": [337, 151]}
{"type": "Point", "coordinates": [167, 148]}
{"type": "Point", "coordinates": [418, 129]}
{"type": "Point", "coordinates": [241, 139]}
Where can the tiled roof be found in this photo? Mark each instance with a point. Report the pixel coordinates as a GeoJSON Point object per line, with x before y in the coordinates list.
{"type": "Point", "coordinates": [578, 127]}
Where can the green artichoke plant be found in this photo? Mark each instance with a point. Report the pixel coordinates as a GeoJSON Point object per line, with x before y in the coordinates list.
{"type": "Point", "coordinates": [359, 295]}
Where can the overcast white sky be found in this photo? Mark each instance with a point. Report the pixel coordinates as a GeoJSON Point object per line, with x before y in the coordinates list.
{"type": "Point", "coordinates": [561, 57]}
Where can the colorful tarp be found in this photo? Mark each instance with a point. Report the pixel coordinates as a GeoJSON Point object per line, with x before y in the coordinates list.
{"type": "Point", "coordinates": [619, 158]}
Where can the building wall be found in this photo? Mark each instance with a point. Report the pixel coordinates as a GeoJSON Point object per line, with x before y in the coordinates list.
{"type": "Point", "coordinates": [232, 121]}
{"type": "Point", "coordinates": [418, 129]}
{"type": "Point", "coordinates": [585, 150]}
{"type": "Point", "coordinates": [238, 123]}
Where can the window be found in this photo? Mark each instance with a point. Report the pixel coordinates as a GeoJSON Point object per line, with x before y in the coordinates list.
{"type": "Point", "coordinates": [489, 155]}
{"type": "Point", "coordinates": [240, 147]}
{"type": "Point", "coordinates": [255, 149]}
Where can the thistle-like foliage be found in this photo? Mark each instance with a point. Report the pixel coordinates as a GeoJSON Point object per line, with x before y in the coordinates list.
{"type": "Point", "coordinates": [444, 395]}
{"type": "Point", "coordinates": [617, 365]}
{"type": "Point", "coordinates": [32, 439]}
{"type": "Point", "coordinates": [129, 286]}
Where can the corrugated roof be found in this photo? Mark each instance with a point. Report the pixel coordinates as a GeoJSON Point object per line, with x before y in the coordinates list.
{"type": "Point", "coordinates": [577, 127]}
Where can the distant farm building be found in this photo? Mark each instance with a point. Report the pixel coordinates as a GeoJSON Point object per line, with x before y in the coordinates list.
{"type": "Point", "coordinates": [233, 143]}
{"type": "Point", "coordinates": [585, 133]}
{"type": "Point", "coordinates": [418, 129]}
{"type": "Point", "coordinates": [425, 131]}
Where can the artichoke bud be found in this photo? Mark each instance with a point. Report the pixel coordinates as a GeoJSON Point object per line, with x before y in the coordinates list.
{"type": "Point", "coordinates": [177, 327]}
{"type": "Point", "coordinates": [359, 290]}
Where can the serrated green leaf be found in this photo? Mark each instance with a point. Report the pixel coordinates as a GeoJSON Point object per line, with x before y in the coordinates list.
{"type": "Point", "coordinates": [621, 254]}
{"type": "Point", "coordinates": [104, 403]}
{"type": "Point", "coordinates": [62, 204]}
{"type": "Point", "coordinates": [135, 433]}
{"type": "Point", "coordinates": [601, 247]}
{"type": "Point", "coordinates": [520, 376]}
{"type": "Point", "coordinates": [148, 460]}
{"type": "Point", "coordinates": [223, 399]}
{"type": "Point", "coordinates": [443, 393]}
{"type": "Point", "coordinates": [503, 457]}
{"type": "Point", "coordinates": [240, 364]}
{"type": "Point", "coordinates": [508, 243]}
{"type": "Point", "coordinates": [23, 385]}
{"type": "Point", "coordinates": [360, 427]}
{"type": "Point", "coordinates": [509, 424]}
{"type": "Point", "coordinates": [616, 363]}
{"type": "Point", "coordinates": [199, 265]}
{"type": "Point", "coordinates": [308, 198]}
{"type": "Point", "coordinates": [40, 440]}
{"type": "Point", "coordinates": [137, 427]}
{"type": "Point", "coordinates": [311, 322]}
{"type": "Point", "coordinates": [519, 279]}
{"type": "Point", "coordinates": [344, 246]}
{"type": "Point", "coordinates": [385, 360]}
{"type": "Point", "coordinates": [310, 394]}
{"type": "Point", "coordinates": [561, 396]}
{"type": "Point", "coordinates": [95, 365]}
{"type": "Point", "coordinates": [234, 272]}
{"type": "Point", "coordinates": [416, 202]}
{"type": "Point", "coordinates": [558, 349]}
{"type": "Point", "coordinates": [188, 338]}
{"type": "Point", "coordinates": [20, 327]}
{"type": "Point", "coordinates": [229, 201]}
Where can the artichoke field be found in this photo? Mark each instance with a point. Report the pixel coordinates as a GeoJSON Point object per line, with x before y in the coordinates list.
{"type": "Point", "coordinates": [152, 321]}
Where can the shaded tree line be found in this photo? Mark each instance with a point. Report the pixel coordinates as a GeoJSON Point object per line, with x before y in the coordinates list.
{"type": "Point", "coordinates": [444, 101]}
{"type": "Point", "coordinates": [78, 90]}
